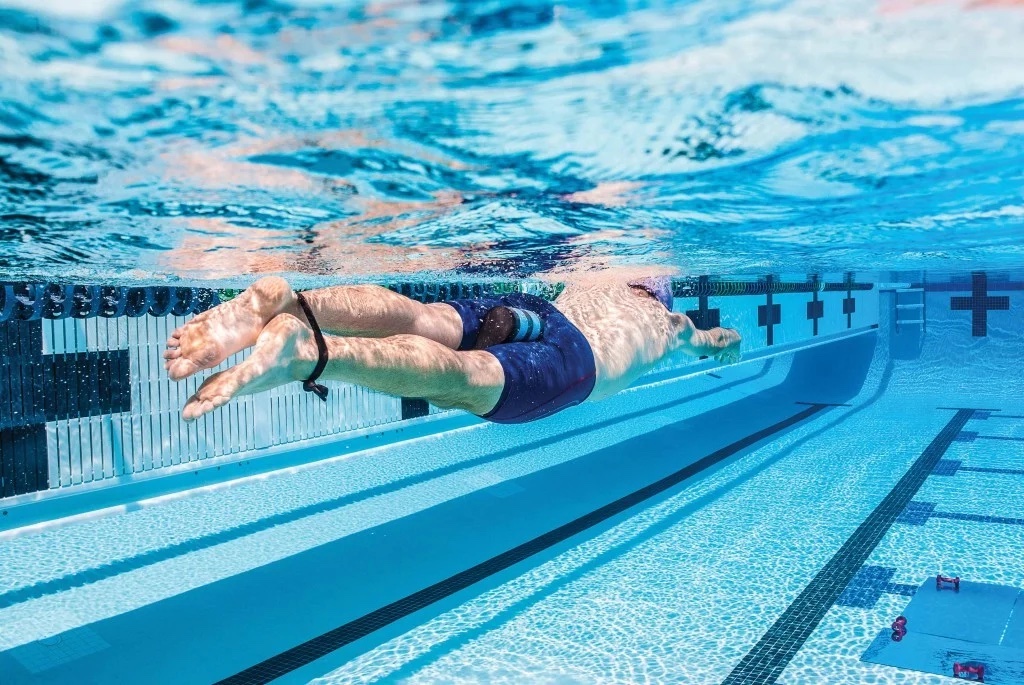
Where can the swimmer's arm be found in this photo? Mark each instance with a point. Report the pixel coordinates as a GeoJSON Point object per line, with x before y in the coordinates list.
{"type": "Point", "coordinates": [721, 343]}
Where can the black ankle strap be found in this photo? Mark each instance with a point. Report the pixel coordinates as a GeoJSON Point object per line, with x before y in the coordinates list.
{"type": "Point", "coordinates": [310, 384]}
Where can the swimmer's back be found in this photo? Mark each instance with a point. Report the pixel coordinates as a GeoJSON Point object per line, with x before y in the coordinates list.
{"type": "Point", "coordinates": [627, 331]}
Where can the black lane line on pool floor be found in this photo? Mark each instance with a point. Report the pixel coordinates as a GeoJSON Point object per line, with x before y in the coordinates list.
{"type": "Point", "coordinates": [764, 663]}
{"type": "Point", "coordinates": [311, 650]}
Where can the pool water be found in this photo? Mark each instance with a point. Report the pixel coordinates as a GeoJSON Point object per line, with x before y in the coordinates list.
{"type": "Point", "coordinates": [344, 140]}
{"type": "Point", "coordinates": [839, 181]}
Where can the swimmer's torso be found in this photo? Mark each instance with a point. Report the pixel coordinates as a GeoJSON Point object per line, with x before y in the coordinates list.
{"type": "Point", "coordinates": [628, 332]}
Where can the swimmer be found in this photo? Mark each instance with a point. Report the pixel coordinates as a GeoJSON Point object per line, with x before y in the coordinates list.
{"type": "Point", "coordinates": [483, 355]}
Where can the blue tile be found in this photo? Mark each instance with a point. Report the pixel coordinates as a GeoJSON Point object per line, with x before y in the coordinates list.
{"type": "Point", "coordinates": [767, 659]}
{"type": "Point", "coordinates": [870, 583]}
{"type": "Point", "coordinates": [978, 518]}
{"type": "Point", "coordinates": [769, 314]}
{"type": "Point", "coordinates": [314, 648]}
{"type": "Point", "coordinates": [815, 309]}
{"type": "Point", "coordinates": [916, 513]}
{"type": "Point", "coordinates": [984, 469]}
{"type": "Point", "coordinates": [900, 589]}
{"type": "Point", "coordinates": [705, 318]}
{"type": "Point", "coordinates": [860, 598]}
{"type": "Point", "coordinates": [946, 467]}
{"type": "Point", "coordinates": [871, 576]}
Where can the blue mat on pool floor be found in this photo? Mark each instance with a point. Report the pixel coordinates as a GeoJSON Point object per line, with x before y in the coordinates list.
{"type": "Point", "coordinates": [981, 623]}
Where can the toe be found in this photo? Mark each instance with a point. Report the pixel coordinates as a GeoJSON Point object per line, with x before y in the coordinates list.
{"type": "Point", "coordinates": [180, 368]}
{"type": "Point", "coordinates": [218, 390]}
{"type": "Point", "coordinates": [215, 392]}
{"type": "Point", "coordinates": [172, 353]}
{"type": "Point", "coordinates": [197, 407]}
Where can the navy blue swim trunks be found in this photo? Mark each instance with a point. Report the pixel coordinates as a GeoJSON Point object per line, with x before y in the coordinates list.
{"type": "Point", "coordinates": [541, 377]}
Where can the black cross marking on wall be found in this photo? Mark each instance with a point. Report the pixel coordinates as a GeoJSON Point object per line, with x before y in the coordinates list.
{"type": "Point", "coordinates": [815, 308]}
{"type": "Point", "coordinates": [849, 303]}
{"type": "Point", "coordinates": [703, 317]}
{"type": "Point", "coordinates": [36, 388]}
{"type": "Point", "coordinates": [979, 304]}
{"type": "Point", "coordinates": [769, 314]}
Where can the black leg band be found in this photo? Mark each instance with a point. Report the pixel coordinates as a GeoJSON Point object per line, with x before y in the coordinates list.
{"type": "Point", "coordinates": [310, 384]}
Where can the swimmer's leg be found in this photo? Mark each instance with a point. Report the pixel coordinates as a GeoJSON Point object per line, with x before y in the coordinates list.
{"type": "Point", "coordinates": [405, 365]}
{"type": "Point", "coordinates": [370, 311]}
{"type": "Point", "coordinates": [367, 311]}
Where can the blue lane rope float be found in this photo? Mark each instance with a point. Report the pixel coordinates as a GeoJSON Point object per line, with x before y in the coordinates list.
{"type": "Point", "coordinates": [23, 301]}
{"type": "Point", "coordinates": [34, 301]}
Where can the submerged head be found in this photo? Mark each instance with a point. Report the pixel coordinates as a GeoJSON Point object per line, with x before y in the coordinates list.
{"type": "Point", "coordinates": [659, 287]}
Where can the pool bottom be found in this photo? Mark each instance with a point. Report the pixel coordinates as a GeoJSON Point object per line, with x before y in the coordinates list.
{"type": "Point", "coordinates": [622, 608]}
{"type": "Point", "coordinates": [284, 663]}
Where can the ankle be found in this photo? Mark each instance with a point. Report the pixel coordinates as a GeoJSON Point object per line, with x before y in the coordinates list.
{"type": "Point", "coordinates": [272, 296]}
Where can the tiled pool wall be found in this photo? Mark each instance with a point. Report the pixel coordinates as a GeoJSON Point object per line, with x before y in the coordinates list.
{"type": "Point", "coordinates": [84, 398]}
{"type": "Point", "coordinates": [972, 336]}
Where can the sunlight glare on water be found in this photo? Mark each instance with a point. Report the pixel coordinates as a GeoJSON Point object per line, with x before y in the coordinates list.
{"type": "Point", "coordinates": [342, 141]}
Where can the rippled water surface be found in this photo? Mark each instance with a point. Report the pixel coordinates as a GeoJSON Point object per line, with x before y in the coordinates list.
{"type": "Point", "coordinates": [346, 140]}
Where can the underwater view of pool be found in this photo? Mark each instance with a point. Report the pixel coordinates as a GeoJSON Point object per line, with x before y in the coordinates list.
{"type": "Point", "coordinates": [839, 184]}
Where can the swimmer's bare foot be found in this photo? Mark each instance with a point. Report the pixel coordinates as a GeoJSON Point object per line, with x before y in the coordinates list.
{"type": "Point", "coordinates": [214, 335]}
{"type": "Point", "coordinates": [285, 351]}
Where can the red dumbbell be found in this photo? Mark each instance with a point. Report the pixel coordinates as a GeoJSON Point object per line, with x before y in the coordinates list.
{"type": "Point", "coordinates": [941, 580]}
{"type": "Point", "coordinates": [899, 628]}
{"type": "Point", "coordinates": [975, 673]}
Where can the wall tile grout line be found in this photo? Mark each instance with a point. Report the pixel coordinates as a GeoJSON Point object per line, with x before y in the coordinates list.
{"type": "Point", "coordinates": [767, 659]}
{"type": "Point", "coordinates": [315, 648]}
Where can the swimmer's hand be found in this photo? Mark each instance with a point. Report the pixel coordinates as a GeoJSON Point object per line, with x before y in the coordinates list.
{"type": "Point", "coordinates": [730, 354]}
